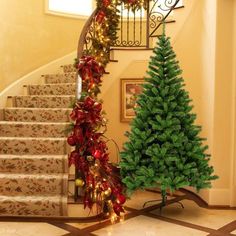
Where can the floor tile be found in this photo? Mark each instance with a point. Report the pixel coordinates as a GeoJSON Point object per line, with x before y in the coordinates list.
{"type": "Point", "coordinates": [77, 210]}
{"type": "Point", "coordinates": [29, 229]}
{"type": "Point", "coordinates": [194, 214]}
{"type": "Point", "coordinates": [82, 225]}
{"type": "Point", "coordinates": [146, 226]}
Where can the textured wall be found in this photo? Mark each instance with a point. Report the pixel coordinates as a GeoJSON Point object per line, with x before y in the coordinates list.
{"type": "Point", "coordinates": [29, 38]}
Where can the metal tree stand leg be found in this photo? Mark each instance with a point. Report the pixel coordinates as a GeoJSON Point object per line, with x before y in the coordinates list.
{"type": "Point", "coordinates": [163, 201]}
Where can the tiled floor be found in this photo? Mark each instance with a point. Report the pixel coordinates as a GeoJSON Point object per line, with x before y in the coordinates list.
{"type": "Point", "coordinates": [173, 220]}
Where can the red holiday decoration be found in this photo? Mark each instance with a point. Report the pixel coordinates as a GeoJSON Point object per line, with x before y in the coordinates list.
{"type": "Point", "coordinates": [90, 70]}
{"type": "Point", "coordinates": [100, 16]}
{"type": "Point", "coordinates": [117, 208]}
{"type": "Point", "coordinates": [97, 154]}
{"type": "Point", "coordinates": [121, 199]}
{"type": "Point", "coordinates": [101, 183]}
{"type": "Point", "coordinates": [106, 3]}
{"type": "Point", "coordinates": [71, 140]}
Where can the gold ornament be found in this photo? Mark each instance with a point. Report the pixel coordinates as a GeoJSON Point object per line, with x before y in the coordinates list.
{"type": "Point", "coordinates": [79, 182]}
{"type": "Point", "coordinates": [90, 158]}
{"type": "Point", "coordinates": [107, 192]}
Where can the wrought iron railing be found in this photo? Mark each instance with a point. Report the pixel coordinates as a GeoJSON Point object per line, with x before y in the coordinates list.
{"type": "Point", "coordinates": [136, 28]}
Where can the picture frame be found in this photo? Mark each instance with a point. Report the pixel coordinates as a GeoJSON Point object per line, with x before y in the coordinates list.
{"type": "Point", "coordinates": [130, 89]}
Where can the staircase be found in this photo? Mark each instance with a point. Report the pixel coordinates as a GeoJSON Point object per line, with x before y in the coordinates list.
{"type": "Point", "coordinates": [33, 148]}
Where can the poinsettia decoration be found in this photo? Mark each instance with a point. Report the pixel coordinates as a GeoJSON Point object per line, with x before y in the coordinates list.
{"type": "Point", "coordinates": [91, 73]}
{"type": "Point", "coordinates": [98, 178]}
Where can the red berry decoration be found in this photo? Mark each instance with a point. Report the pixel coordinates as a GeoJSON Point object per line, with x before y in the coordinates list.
{"type": "Point", "coordinates": [121, 199]}
{"type": "Point", "coordinates": [73, 157]}
{"type": "Point", "coordinates": [106, 3]}
{"type": "Point", "coordinates": [117, 208]}
{"type": "Point", "coordinates": [71, 140]}
{"type": "Point", "coordinates": [89, 102]}
{"type": "Point", "coordinates": [97, 154]}
{"type": "Point", "coordinates": [97, 107]}
{"type": "Point", "coordinates": [73, 114]}
{"type": "Point", "coordinates": [80, 116]}
{"type": "Point", "coordinates": [100, 16]}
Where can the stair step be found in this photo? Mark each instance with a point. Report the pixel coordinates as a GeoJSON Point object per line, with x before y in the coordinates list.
{"type": "Point", "coordinates": [33, 205]}
{"type": "Point", "coordinates": [12, 184]}
{"type": "Point", "coordinates": [44, 101]}
{"type": "Point", "coordinates": [60, 78]}
{"type": "Point", "coordinates": [52, 89]}
{"type": "Point", "coordinates": [34, 164]}
{"type": "Point", "coordinates": [32, 129]}
{"type": "Point", "coordinates": [33, 146]}
{"type": "Point", "coordinates": [36, 114]}
{"type": "Point", "coordinates": [68, 68]}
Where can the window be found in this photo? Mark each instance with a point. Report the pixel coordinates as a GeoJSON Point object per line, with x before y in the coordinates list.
{"type": "Point", "coordinates": [77, 8]}
{"type": "Point", "coordinates": [70, 7]}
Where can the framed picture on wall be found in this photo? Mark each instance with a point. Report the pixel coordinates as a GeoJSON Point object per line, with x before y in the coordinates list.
{"type": "Point", "coordinates": [130, 89]}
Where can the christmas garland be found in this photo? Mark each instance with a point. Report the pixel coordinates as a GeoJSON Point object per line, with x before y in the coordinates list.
{"type": "Point", "coordinates": [106, 25]}
{"type": "Point", "coordinates": [99, 180]}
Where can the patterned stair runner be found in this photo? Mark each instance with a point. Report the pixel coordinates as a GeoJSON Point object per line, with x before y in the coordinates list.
{"type": "Point", "coordinates": [33, 148]}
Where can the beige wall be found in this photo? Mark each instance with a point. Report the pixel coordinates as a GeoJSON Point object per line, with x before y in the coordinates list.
{"type": "Point", "coordinates": [223, 93]}
{"type": "Point", "coordinates": [29, 38]}
{"type": "Point", "coordinates": [233, 156]}
{"type": "Point", "coordinates": [204, 45]}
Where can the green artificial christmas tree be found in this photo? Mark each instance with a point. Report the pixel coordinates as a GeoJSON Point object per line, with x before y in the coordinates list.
{"type": "Point", "coordinates": [164, 148]}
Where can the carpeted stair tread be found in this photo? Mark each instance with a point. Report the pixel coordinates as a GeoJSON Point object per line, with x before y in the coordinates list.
{"type": "Point", "coordinates": [60, 78]}
{"type": "Point", "coordinates": [33, 129]}
{"type": "Point", "coordinates": [36, 114]}
{"type": "Point", "coordinates": [33, 146]}
{"type": "Point", "coordinates": [34, 164]}
{"type": "Point", "coordinates": [68, 68]}
{"type": "Point", "coordinates": [58, 101]}
{"type": "Point", "coordinates": [12, 184]}
{"type": "Point", "coordinates": [34, 149]}
{"type": "Point", "coordinates": [33, 205]}
{"type": "Point", "coordinates": [52, 89]}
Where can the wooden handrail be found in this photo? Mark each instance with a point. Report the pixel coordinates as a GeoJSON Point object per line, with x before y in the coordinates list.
{"type": "Point", "coordinates": [82, 38]}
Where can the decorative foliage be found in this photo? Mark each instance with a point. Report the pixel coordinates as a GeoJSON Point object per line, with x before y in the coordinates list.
{"type": "Point", "coordinates": [91, 72]}
{"type": "Point", "coordinates": [105, 27]}
{"type": "Point", "coordinates": [134, 4]}
{"type": "Point", "coordinates": [164, 148]}
{"type": "Point", "coordinates": [98, 178]}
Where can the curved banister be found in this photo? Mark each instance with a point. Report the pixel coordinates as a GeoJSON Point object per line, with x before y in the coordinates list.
{"type": "Point", "coordinates": [82, 38]}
